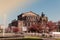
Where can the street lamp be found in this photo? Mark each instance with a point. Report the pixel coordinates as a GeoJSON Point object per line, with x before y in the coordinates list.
{"type": "Point", "coordinates": [4, 22]}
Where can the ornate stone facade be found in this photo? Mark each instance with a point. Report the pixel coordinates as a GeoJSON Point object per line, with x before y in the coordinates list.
{"type": "Point", "coordinates": [27, 19]}
{"type": "Point", "coordinates": [30, 18]}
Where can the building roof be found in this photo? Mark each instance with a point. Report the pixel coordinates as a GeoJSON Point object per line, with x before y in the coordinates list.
{"type": "Point", "coordinates": [28, 14]}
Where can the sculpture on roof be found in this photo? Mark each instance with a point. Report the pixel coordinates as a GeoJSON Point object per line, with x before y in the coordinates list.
{"type": "Point", "coordinates": [43, 18]}
{"type": "Point", "coordinates": [42, 15]}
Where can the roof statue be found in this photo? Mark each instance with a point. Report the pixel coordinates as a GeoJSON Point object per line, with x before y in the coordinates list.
{"type": "Point", "coordinates": [42, 15]}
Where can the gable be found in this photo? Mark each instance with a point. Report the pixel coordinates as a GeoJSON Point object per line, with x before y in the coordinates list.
{"type": "Point", "coordinates": [29, 14]}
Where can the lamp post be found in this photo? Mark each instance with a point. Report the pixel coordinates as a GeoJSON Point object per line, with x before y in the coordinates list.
{"type": "Point", "coordinates": [4, 22]}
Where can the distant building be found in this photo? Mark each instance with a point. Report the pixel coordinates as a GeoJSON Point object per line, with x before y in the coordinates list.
{"type": "Point", "coordinates": [58, 24]}
{"type": "Point", "coordinates": [1, 28]}
{"type": "Point", "coordinates": [13, 24]}
{"type": "Point", "coordinates": [27, 19]}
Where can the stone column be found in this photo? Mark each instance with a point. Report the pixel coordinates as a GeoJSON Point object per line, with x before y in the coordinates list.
{"type": "Point", "coordinates": [20, 25]}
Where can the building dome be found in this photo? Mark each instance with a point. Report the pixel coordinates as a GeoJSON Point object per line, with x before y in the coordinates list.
{"type": "Point", "coordinates": [30, 13]}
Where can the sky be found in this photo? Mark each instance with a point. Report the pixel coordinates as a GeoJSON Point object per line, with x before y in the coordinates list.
{"type": "Point", "coordinates": [10, 9]}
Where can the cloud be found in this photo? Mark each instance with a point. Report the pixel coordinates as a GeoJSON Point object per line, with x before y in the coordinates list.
{"type": "Point", "coordinates": [7, 5]}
